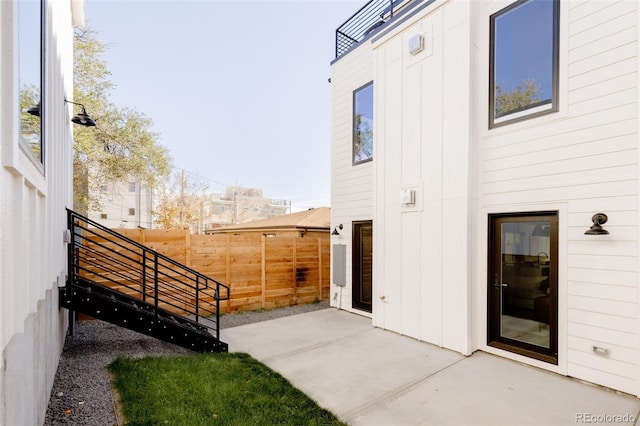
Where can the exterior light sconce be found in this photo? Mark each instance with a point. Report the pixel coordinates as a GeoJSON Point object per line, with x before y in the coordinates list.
{"type": "Point", "coordinates": [81, 118]}
{"type": "Point", "coordinates": [335, 230]}
{"type": "Point", "coordinates": [598, 220]}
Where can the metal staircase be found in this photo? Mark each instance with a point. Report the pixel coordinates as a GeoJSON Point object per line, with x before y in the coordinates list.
{"type": "Point", "coordinates": [118, 280]}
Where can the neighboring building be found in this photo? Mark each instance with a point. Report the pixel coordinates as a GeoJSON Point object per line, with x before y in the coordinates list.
{"type": "Point", "coordinates": [124, 205]}
{"type": "Point", "coordinates": [473, 142]}
{"type": "Point", "coordinates": [310, 223]}
{"type": "Point", "coordinates": [36, 151]}
{"type": "Point", "coordinates": [239, 205]}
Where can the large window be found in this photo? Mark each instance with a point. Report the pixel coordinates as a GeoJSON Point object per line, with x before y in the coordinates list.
{"type": "Point", "coordinates": [30, 76]}
{"type": "Point", "coordinates": [363, 124]}
{"type": "Point", "coordinates": [524, 61]}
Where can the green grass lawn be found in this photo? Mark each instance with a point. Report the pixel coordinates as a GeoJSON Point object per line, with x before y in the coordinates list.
{"type": "Point", "coordinates": [211, 389]}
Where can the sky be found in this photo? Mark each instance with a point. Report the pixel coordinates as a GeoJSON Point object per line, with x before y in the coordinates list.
{"type": "Point", "coordinates": [237, 90]}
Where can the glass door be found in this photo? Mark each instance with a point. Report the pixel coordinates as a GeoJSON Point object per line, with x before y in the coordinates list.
{"type": "Point", "coordinates": [522, 284]}
{"type": "Point", "coordinates": [362, 265]}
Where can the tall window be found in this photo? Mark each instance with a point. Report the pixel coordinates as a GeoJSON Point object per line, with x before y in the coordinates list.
{"type": "Point", "coordinates": [363, 124]}
{"type": "Point", "coordinates": [30, 31]}
{"type": "Point", "coordinates": [524, 61]}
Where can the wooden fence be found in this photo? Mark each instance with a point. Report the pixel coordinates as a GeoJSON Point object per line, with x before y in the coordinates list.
{"type": "Point", "coordinates": [263, 272]}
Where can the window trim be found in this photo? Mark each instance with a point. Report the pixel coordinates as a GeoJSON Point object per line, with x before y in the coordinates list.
{"type": "Point", "coordinates": [536, 110]}
{"type": "Point", "coordinates": [37, 162]}
{"type": "Point", "coordinates": [353, 125]}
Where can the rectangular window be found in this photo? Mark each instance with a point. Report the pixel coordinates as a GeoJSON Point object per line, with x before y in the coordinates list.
{"type": "Point", "coordinates": [132, 187]}
{"type": "Point", "coordinates": [132, 212]}
{"type": "Point", "coordinates": [523, 61]}
{"type": "Point", "coordinates": [30, 34]}
{"type": "Point", "coordinates": [103, 215]}
{"type": "Point", "coordinates": [363, 124]}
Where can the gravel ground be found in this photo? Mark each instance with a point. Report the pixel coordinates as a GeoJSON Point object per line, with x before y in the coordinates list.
{"type": "Point", "coordinates": [81, 393]}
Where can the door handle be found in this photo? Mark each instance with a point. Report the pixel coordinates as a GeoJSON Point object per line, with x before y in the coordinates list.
{"type": "Point", "coordinates": [500, 285]}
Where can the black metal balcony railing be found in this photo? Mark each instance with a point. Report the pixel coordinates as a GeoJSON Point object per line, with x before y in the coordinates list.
{"type": "Point", "coordinates": [362, 23]}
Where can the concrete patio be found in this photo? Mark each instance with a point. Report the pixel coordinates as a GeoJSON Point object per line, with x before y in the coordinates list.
{"type": "Point", "coordinates": [368, 376]}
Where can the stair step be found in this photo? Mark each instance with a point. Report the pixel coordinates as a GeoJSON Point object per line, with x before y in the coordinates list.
{"type": "Point", "coordinates": [135, 314]}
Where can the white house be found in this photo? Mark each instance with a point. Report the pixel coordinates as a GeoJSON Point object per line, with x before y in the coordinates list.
{"type": "Point", "coordinates": [473, 144]}
{"type": "Point", "coordinates": [35, 188]}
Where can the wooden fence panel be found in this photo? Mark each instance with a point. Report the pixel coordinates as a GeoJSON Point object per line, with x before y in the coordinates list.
{"type": "Point", "coordinates": [261, 272]}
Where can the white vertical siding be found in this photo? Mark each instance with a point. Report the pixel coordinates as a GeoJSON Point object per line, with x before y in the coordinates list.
{"type": "Point", "coordinates": [422, 136]}
{"type": "Point", "coordinates": [32, 221]}
{"type": "Point", "coordinates": [351, 186]}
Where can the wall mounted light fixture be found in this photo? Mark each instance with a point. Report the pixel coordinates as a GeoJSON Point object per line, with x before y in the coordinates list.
{"type": "Point", "coordinates": [335, 230]}
{"type": "Point", "coordinates": [598, 220]}
{"type": "Point", "coordinates": [81, 118]}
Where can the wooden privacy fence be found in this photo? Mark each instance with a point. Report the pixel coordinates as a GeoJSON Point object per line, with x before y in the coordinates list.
{"type": "Point", "coordinates": [262, 271]}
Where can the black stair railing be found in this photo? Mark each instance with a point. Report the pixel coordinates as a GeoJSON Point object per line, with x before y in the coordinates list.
{"type": "Point", "coordinates": [103, 256]}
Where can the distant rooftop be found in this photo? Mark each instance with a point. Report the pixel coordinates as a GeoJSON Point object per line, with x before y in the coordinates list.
{"type": "Point", "coordinates": [319, 218]}
{"type": "Point", "coordinates": [373, 15]}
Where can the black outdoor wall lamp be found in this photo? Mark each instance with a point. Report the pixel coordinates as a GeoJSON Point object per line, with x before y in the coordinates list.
{"type": "Point", "coordinates": [335, 230]}
{"type": "Point", "coordinates": [598, 220]}
{"type": "Point", "coordinates": [81, 118]}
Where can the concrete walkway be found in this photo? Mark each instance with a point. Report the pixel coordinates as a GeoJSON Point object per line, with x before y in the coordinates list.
{"type": "Point", "coordinates": [368, 376]}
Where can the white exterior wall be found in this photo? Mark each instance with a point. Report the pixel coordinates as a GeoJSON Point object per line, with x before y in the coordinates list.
{"type": "Point", "coordinates": [422, 134]}
{"type": "Point", "coordinates": [579, 161]}
{"type": "Point", "coordinates": [431, 135]}
{"type": "Point", "coordinates": [32, 222]}
{"type": "Point", "coordinates": [351, 188]}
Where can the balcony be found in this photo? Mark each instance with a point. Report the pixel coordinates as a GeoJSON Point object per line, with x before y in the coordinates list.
{"type": "Point", "coordinates": [366, 21]}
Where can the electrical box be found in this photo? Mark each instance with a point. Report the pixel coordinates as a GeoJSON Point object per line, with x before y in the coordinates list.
{"type": "Point", "coordinates": [339, 258]}
{"type": "Point", "coordinates": [416, 44]}
{"type": "Point", "coordinates": [408, 196]}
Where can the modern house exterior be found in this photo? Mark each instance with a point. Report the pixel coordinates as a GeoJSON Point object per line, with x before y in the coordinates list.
{"type": "Point", "coordinates": [485, 179]}
{"type": "Point", "coordinates": [36, 69]}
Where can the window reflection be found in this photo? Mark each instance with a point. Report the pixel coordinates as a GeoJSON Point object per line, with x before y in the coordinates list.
{"type": "Point", "coordinates": [29, 73]}
{"type": "Point", "coordinates": [363, 124]}
{"type": "Point", "coordinates": [525, 304]}
{"type": "Point", "coordinates": [524, 38]}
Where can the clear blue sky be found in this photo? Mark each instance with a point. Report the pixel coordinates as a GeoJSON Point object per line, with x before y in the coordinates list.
{"type": "Point", "coordinates": [237, 90]}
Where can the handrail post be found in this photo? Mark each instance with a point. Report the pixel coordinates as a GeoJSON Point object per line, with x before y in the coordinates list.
{"type": "Point", "coordinates": [155, 283]}
{"type": "Point", "coordinates": [144, 275]}
{"type": "Point", "coordinates": [197, 298]}
{"type": "Point", "coordinates": [217, 299]}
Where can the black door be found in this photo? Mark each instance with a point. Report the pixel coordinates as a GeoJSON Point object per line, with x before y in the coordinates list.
{"type": "Point", "coordinates": [362, 265]}
{"type": "Point", "coordinates": [523, 284]}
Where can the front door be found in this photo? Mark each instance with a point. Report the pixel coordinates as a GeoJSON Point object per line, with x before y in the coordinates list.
{"type": "Point", "coordinates": [523, 284]}
{"type": "Point", "coordinates": [362, 265]}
